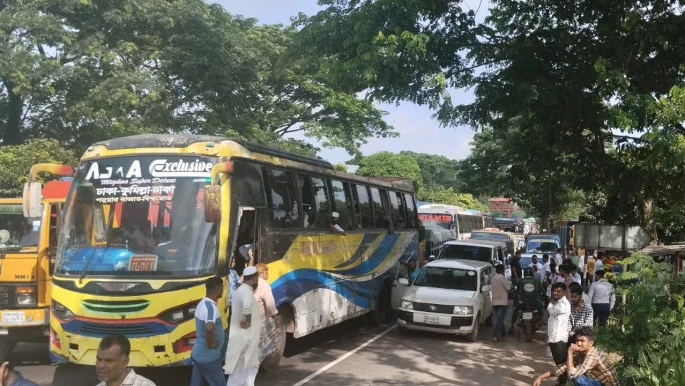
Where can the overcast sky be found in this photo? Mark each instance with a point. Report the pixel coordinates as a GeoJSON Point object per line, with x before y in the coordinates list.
{"type": "Point", "coordinates": [418, 131]}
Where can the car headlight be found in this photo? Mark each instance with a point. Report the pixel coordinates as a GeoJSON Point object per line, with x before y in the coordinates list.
{"type": "Point", "coordinates": [61, 312]}
{"type": "Point", "coordinates": [463, 310]}
{"type": "Point", "coordinates": [407, 305]}
{"type": "Point", "coordinates": [26, 296]}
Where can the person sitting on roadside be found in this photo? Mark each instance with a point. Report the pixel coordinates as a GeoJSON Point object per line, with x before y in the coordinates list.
{"type": "Point", "coordinates": [11, 377]}
{"type": "Point", "coordinates": [585, 365]}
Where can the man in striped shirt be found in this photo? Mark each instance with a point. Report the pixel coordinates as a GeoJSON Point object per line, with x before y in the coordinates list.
{"type": "Point", "coordinates": [581, 312]}
{"type": "Point", "coordinates": [602, 297]}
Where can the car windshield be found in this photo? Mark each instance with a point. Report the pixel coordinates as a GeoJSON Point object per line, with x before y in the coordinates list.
{"type": "Point", "coordinates": [140, 216]}
{"type": "Point", "coordinates": [466, 252]}
{"type": "Point", "coordinates": [489, 236]}
{"type": "Point", "coordinates": [542, 246]}
{"type": "Point", "coordinates": [447, 278]}
{"type": "Point", "coordinates": [22, 234]}
{"type": "Point", "coordinates": [443, 221]}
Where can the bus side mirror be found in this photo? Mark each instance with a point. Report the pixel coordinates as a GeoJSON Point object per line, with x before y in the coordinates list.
{"type": "Point", "coordinates": [212, 198]}
{"type": "Point", "coordinates": [31, 199]}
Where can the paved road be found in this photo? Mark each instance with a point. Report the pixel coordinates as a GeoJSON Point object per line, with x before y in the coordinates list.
{"type": "Point", "coordinates": [394, 358]}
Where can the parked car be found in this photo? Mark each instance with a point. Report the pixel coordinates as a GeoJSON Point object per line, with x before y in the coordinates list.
{"type": "Point", "coordinates": [448, 296]}
{"type": "Point", "coordinates": [494, 252]}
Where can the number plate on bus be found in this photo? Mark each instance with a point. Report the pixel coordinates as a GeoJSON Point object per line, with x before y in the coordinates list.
{"type": "Point", "coordinates": [143, 263]}
{"type": "Point", "coordinates": [431, 319]}
{"type": "Point", "coordinates": [527, 315]}
{"type": "Point", "coordinates": [15, 317]}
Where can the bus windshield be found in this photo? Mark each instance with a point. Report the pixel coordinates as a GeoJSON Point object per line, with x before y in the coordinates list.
{"type": "Point", "coordinates": [140, 216]}
{"type": "Point", "coordinates": [542, 246]}
{"type": "Point", "coordinates": [24, 233]}
{"type": "Point", "coordinates": [444, 221]}
{"type": "Point", "coordinates": [466, 252]}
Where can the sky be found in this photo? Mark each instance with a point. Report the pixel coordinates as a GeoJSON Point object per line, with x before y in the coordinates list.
{"type": "Point", "coordinates": [419, 132]}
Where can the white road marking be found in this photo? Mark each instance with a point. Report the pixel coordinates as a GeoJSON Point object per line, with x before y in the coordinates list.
{"type": "Point", "coordinates": [343, 357]}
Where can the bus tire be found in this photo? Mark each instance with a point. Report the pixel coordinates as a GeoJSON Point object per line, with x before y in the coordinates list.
{"type": "Point", "coordinates": [379, 314]}
{"type": "Point", "coordinates": [270, 363]}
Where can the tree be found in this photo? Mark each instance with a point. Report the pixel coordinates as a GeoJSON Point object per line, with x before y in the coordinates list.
{"type": "Point", "coordinates": [388, 164]}
{"type": "Point", "coordinates": [85, 71]}
{"type": "Point", "coordinates": [559, 83]}
{"type": "Point", "coordinates": [16, 162]}
{"type": "Point", "coordinates": [448, 196]}
{"type": "Point", "coordinates": [437, 171]}
{"type": "Point", "coordinates": [340, 167]}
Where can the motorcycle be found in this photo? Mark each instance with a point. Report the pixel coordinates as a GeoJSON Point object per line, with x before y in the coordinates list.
{"type": "Point", "coordinates": [527, 321]}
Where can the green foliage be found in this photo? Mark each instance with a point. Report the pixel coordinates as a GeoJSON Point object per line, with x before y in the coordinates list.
{"type": "Point", "coordinates": [437, 171]}
{"type": "Point", "coordinates": [558, 85]}
{"type": "Point", "coordinates": [388, 164]}
{"type": "Point", "coordinates": [16, 161]}
{"type": "Point", "coordinates": [441, 195]}
{"type": "Point", "coordinates": [340, 167]}
{"type": "Point", "coordinates": [647, 326]}
{"type": "Point", "coordinates": [85, 71]}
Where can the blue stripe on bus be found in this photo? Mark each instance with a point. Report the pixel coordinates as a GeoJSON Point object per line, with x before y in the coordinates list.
{"type": "Point", "coordinates": [131, 330]}
{"type": "Point", "coordinates": [293, 284]}
{"type": "Point", "coordinates": [377, 257]}
{"type": "Point", "coordinates": [363, 247]}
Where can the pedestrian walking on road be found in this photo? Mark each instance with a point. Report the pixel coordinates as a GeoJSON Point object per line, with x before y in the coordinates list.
{"type": "Point", "coordinates": [242, 355]}
{"type": "Point", "coordinates": [559, 310]}
{"type": "Point", "coordinates": [209, 341]}
{"type": "Point", "coordinates": [111, 363]}
{"type": "Point", "coordinates": [500, 300]}
{"type": "Point", "coordinates": [11, 377]}
{"type": "Point", "coordinates": [602, 298]}
{"type": "Point", "coordinates": [269, 340]}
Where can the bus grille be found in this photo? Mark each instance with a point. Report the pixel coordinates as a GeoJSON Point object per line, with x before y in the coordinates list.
{"type": "Point", "coordinates": [115, 307]}
{"type": "Point", "coordinates": [123, 329]}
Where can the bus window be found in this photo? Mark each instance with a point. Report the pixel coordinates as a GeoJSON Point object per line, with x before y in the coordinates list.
{"type": "Point", "coordinates": [307, 194]}
{"type": "Point", "coordinates": [387, 212]}
{"type": "Point", "coordinates": [411, 210]}
{"type": "Point", "coordinates": [340, 204]}
{"type": "Point", "coordinates": [323, 208]}
{"type": "Point", "coordinates": [398, 211]}
{"type": "Point", "coordinates": [378, 212]}
{"type": "Point", "coordinates": [282, 200]}
{"type": "Point", "coordinates": [363, 206]}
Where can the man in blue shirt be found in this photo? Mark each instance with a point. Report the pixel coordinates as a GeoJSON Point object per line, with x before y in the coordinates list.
{"type": "Point", "coordinates": [206, 354]}
{"type": "Point", "coordinates": [413, 270]}
{"type": "Point", "coordinates": [11, 377]}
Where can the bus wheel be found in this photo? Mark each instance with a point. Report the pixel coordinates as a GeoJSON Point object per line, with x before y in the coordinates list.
{"type": "Point", "coordinates": [270, 363]}
{"type": "Point", "coordinates": [379, 314]}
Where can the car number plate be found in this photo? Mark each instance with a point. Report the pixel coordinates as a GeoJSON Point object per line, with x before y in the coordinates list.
{"type": "Point", "coordinates": [431, 319]}
{"type": "Point", "coordinates": [527, 316]}
{"type": "Point", "coordinates": [13, 317]}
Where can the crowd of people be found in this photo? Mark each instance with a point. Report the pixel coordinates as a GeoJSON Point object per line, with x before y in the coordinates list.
{"type": "Point", "coordinates": [577, 297]}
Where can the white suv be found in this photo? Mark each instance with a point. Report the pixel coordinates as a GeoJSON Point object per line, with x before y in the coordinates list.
{"type": "Point", "coordinates": [447, 296]}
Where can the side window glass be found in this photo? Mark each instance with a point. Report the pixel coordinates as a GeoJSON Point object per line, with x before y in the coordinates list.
{"type": "Point", "coordinates": [399, 215]}
{"type": "Point", "coordinates": [411, 210]}
{"type": "Point", "coordinates": [307, 194]}
{"type": "Point", "coordinates": [387, 211]}
{"type": "Point", "coordinates": [323, 207]}
{"type": "Point", "coordinates": [402, 271]}
{"type": "Point", "coordinates": [282, 199]}
{"type": "Point", "coordinates": [378, 212]}
{"type": "Point", "coordinates": [340, 203]}
{"type": "Point", "coordinates": [363, 206]}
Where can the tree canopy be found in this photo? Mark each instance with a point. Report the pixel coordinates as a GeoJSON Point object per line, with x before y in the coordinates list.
{"type": "Point", "coordinates": [84, 71]}
{"type": "Point", "coordinates": [578, 102]}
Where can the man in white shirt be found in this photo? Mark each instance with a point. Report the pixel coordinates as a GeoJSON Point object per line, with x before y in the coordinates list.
{"type": "Point", "coordinates": [559, 310]}
{"type": "Point", "coordinates": [111, 363]}
{"type": "Point", "coordinates": [599, 264]}
{"type": "Point", "coordinates": [546, 269]}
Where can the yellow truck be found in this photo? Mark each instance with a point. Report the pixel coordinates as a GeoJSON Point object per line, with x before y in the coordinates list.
{"type": "Point", "coordinates": [28, 244]}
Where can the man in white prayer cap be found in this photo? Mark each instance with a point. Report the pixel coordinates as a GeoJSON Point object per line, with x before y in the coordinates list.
{"type": "Point", "coordinates": [335, 227]}
{"type": "Point", "coordinates": [242, 353]}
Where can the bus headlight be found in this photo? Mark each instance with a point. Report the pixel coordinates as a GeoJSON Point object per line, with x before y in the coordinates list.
{"type": "Point", "coordinates": [179, 314]}
{"type": "Point", "coordinates": [26, 296]}
{"type": "Point", "coordinates": [61, 312]}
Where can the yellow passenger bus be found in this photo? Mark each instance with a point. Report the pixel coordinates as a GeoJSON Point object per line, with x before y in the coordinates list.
{"type": "Point", "coordinates": [149, 218]}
